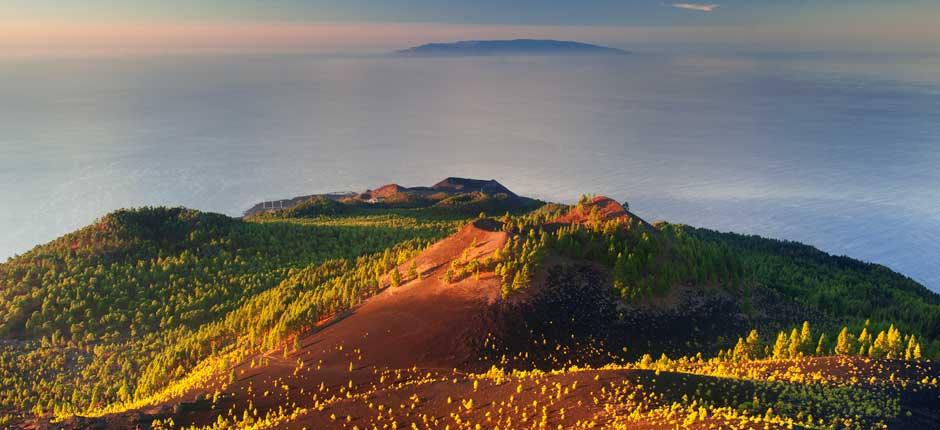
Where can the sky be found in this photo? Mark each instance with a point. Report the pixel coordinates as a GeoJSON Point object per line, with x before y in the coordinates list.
{"type": "Point", "coordinates": [142, 26]}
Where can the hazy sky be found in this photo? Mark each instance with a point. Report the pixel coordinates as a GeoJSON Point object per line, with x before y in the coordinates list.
{"type": "Point", "coordinates": [87, 26]}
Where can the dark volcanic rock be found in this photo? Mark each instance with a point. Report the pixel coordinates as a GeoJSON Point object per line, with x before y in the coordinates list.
{"type": "Point", "coordinates": [464, 185]}
{"type": "Point", "coordinates": [450, 191]}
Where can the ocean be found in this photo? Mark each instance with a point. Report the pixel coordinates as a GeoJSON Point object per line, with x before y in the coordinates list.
{"type": "Point", "coordinates": [840, 151]}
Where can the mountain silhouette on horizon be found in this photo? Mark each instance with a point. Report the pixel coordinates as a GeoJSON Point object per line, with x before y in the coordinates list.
{"type": "Point", "coordinates": [509, 47]}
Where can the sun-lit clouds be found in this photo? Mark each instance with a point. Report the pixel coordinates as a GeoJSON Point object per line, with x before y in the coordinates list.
{"type": "Point", "coordinates": [697, 7]}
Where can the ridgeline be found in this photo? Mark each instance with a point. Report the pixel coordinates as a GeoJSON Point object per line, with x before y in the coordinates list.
{"type": "Point", "coordinates": [458, 304]}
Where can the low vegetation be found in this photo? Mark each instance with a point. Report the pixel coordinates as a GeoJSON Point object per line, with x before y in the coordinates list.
{"type": "Point", "coordinates": [118, 310]}
{"type": "Point", "coordinates": [150, 305]}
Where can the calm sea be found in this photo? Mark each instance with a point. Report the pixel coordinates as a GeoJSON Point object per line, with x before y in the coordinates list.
{"type": "Point", "coordinates": [838, 151]}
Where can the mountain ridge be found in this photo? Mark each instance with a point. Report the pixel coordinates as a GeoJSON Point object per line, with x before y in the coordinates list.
{"type": "Point", "coordinates": [449, 191]}
{"type": "Point", "coordinates": [509, 47]}
{"type": "Point", "coordinates": [436, 293]}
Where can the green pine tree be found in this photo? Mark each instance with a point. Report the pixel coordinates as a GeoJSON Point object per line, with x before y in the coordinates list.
{"type": "Point", "coordinates": [780, 347]}
{"type": "Point", "coordinates": [753, 344]}
{"type": "Point", "coordinates": [793, 350]}
{"type": "Point", "coordinates": [844, 342]}
{"type": "Point", "coordinates": [821, 345]}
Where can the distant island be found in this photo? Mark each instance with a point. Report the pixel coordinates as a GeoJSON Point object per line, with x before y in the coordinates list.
{"type": "Point", "coordinates": [509, 47]}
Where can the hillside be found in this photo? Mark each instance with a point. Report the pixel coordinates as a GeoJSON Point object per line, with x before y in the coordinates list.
{"type": "Point", "coordinates": [346, 313]}
{"type": "Point", "coordinates": [451, 194]}
{"type": "Point", "coordinates": [509, 47]}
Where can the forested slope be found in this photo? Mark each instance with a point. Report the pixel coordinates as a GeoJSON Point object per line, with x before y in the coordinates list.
{"type": "Point", "coordinates": [147, 304]}
{"type": "Point", "coordinates": [150, 292]}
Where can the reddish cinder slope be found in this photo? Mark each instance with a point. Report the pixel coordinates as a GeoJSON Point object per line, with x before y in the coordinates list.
{"type": "Point", "coordinates": [423, 324]}
{"type": "Point", "coordinates": [386, 191]}
{"type": "Point", "coordinates": [600, 208]}
{"type": "Point", "coordinates": [402, 360]}
{"type": "Point", "coordinates": [390, 193]}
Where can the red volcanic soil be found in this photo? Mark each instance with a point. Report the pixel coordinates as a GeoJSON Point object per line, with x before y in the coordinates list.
{"type": "Point", "coordinates": [423, 324]}
{"type": "Point", "coordinates": [366, 397]}
{"type": "Point", "coordinates": [579, 398]}
{"type": "Point", "coordinates": [601, 209]}
{"type": "Point", "coordinates": [387, 191]}
{"type": "Point", "coordinates": [403, 356]}
{"type": "Point", "coordinates": [402, 360]}
{"type": "Point", "coordinates": [391, 193]}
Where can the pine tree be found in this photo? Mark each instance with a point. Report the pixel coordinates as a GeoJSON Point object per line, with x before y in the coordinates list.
{"type": "Point", "coordinates": [505, 290]}
{"type": "Point", "coordinates": [94, 397]}
{"type": "Point", "coordinates": [893, 345]}
{"type": "Point", "coordinates": [753, 344]}
{"type": "Point", "coordinates": [395, 278]}
{"type": "Point", "coordinates": [413, 270]}
{"type": "Point", "coordinates": [619, 273]}
{"type": "Point", "coordinates": [124, 392]}
{"type": "Point", "coordinates": [821, 345]}
{"type": "Point", "coordinates": [879, 348]}
{"type": "Point", "coordinates": [522, 278]}
{"type": "Point", "coordinates": [864, 341]}
{"type": "Point", "coordinates": [794, 348]}
{"type": "Point", "coordinates": [844, 342]}
{"type": "Point", "coordinates": [780, 346]}
{"type": "Point", "coordinates": [740, 351]}
{"type": "Point", "coordinates": [545, 238]}
{"type": "Point", "coordinates": [76, 398]}
{"type": "Point", "coordinates": [806, 339]}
